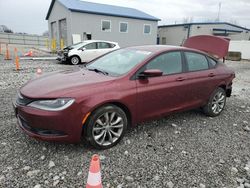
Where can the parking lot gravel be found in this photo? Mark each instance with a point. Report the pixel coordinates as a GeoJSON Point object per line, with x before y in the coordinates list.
{"type": "Point", "coordinates": [182, 150]}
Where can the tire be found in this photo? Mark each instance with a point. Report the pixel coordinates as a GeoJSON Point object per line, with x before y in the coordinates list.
{"type": "Point", "coordinates": [216, 103]}
{"type": "Point", "coordinates": [103, 135]}
{"type": "Point", "coordinates": [74, 60]}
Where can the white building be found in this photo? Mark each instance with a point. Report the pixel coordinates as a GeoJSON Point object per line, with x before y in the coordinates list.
{"type": "Point", "coordinates": [85, 20]}
{"type": "Point", "coordinates": [176, 34]}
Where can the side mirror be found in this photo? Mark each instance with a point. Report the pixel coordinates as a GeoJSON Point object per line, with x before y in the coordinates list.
{"type": "Point", "coordinates": [83, 49]}
{"type": "Point", "coordinates": [150, 73]}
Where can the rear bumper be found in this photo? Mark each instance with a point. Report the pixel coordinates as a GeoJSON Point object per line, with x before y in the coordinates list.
{"type": "Point", "coordinates": [49, 126]}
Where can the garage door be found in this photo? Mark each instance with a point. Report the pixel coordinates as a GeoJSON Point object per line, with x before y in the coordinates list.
{"type": "Point", "coordinates": [63, 30]}
{"type": "Point", "coordinates": [53, 30]}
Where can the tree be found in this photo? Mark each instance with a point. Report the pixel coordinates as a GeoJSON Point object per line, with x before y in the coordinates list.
{"type": "Point", "coordinates": [46, 33]}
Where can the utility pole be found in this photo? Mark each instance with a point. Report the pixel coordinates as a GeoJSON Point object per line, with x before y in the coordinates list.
{"type": "Point", "coordinates": [218, 17]}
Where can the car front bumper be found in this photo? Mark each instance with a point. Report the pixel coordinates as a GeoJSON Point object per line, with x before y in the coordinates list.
{"type": "Point", "coordinates": [61, 58]}
{"type": "Point", "coordinates": [61, 126]}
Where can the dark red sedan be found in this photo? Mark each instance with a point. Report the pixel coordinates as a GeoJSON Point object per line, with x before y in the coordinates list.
{"type": "Point", "coordinates": [101, 100]}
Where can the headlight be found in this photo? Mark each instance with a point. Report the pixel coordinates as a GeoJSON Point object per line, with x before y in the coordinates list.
{"type": "Point", "coordinates": [52, 105]}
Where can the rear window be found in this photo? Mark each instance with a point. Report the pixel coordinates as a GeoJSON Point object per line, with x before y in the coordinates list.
{"type": "Point", "coordinates": [196, 62]}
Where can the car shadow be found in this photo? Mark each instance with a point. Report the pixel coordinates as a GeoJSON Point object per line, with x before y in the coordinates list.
{"type": "Point", "coordinates": [149, 126]}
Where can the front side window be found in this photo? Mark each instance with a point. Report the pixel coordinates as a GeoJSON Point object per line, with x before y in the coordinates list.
{"type": "Point", "coordinates": [106, 25]}
{"type": "Point", "coordinates": [147, 29]}
{"type": "Point", "coordinates": [196, 62]}
{"type": "Point", "coordinates": [90, 46]}
{"type": "Point", "coordinates": [103, 45]}
{"type": "Point", "coordinates": [119, 62]}
{"type": "Point", "coordinates": [168, 63]}
{"type": "Point", "coordinates": [123, 27]}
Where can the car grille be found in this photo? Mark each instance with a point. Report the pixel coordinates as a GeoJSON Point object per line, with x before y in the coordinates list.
{"type": "Point", "coordinates": [65, 54]}
{"type": "Point", "coordinates": [21, 100]}
{"type": "Point", "coordinates": [43, 132]}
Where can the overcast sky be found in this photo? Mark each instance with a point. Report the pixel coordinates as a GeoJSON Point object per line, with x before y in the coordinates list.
{"type": "Point", "coordinates": [29, 15]}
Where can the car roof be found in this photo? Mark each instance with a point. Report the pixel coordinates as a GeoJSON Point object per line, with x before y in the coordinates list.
{"type": "Point", "coordinates": [90, 41]}
{"type": "Point", "coordinates": [162, 48]}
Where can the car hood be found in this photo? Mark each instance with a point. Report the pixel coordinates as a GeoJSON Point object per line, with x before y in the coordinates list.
{"type": "Point", "coordinates": [63, 83]}
{"type": "Point", "coordinates": [73, 51]}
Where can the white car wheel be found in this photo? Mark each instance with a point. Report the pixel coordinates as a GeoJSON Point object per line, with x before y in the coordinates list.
{"type": "Point", "coordinates": [74, 60]}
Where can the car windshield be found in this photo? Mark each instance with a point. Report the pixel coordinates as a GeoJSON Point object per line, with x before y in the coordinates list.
{"type": "Point", "coordinates": [77, 45]}
{"type": "Point", "coordinates": [119, 62]}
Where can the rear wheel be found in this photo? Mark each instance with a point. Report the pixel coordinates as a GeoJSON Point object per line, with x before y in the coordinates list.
{"type": "Point", "coordinates": [74, 60]}
{"type": "Point", "coordinates": [216, 103]}
{"type": "Point", "coordinates": [106, 127]}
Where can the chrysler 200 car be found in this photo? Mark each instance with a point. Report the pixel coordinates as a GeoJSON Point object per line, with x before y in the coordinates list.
{"type": "Point", "coordinates": [120, 89]}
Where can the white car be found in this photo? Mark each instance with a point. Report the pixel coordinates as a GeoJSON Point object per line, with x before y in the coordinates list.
{"type": "Point", "coordinates": [86, 51]}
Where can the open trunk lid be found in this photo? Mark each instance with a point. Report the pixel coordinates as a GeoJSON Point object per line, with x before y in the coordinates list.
{"type": "Point", "coordinates": [213, 45]}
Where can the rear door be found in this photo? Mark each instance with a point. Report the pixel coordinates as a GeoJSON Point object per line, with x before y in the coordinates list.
{"type": "Point", "coordinates": [156, 96]}
{"type": "Point", "coordinates": [103, 48]}
{"type": "Point", "coordinates": [200, 78]}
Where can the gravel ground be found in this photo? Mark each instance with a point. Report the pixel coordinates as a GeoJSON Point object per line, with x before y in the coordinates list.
{"type": "Point", "coordinates": [182, 150]}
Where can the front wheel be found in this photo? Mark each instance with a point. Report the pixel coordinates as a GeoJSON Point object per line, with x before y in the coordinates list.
{"type": "Point", "coordinates": [106, 126]}
{"type": "Point", "coordinates": [74, 60]}
{"type": "Point", "coordinates": [216, 103]}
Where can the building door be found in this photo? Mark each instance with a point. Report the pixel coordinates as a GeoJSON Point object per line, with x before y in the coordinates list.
{"type": "Point", "coordinates": [53, 31]}
{"type": "Point", "coordinates": [87, 36]}
{"type": "Point", "coordinates": [163, 40]}
{"type": "Point", "coordinates": [63, 31]}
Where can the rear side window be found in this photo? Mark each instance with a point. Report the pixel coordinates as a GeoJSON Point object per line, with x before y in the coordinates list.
{"type": "Point", "coordinates": [196, 62]}
{"type": "Point", "coordinates": [103, 45]}
{"type": "Point", "coordinates": [212, 62]}
{"type": "Point", "coordinates": [90, 46]}
{"type": "Point", "coordinates": [168, 63]}
{"type": "Point", "coordinates": [112, 45]}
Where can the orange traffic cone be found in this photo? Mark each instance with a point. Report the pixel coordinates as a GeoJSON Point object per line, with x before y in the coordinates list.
{"type": "Point", "coordinates": [29, 54]}
{"type": "Point", "coordinates": [7, 53]}
{"type": "Point", "coordinates": [39, 71]}
{"type": "Point", "coordinates": [94, 176]}
{"type": "Point", "coordinates": [16, 60]}
{"type": "Point", "coordinates": [17, 63]}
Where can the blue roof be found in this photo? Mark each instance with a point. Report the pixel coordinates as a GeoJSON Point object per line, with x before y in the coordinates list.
{"type": "Point", "coordinates": [102, 9]}
{"type": "Point", "coordinates": [204, 23]}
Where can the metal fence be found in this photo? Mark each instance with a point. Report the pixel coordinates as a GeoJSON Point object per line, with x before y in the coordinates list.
{"type": "Point", "coordinates": [22, 39]}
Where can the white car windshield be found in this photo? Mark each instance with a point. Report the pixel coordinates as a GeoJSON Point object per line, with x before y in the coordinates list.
{"type": "Point", "coordinates": [119, 62]}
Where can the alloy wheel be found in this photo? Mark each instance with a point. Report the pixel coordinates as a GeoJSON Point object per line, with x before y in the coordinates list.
{"type": "Point", "coordinates": [218, 102]}
{"type": "Point", "coordinates": [108, 128]}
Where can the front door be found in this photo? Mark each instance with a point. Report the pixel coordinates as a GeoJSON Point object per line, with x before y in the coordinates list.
{"type": "Point", "coordinates": [157, 96]}
{"type": "Point", "coordinates": [90, 52]}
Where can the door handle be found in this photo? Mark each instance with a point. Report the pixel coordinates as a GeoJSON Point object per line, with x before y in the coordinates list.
{"type": "Point", "coordinates": [180, 79]}
{"type": "Point", "coordinates": [211, 74]}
